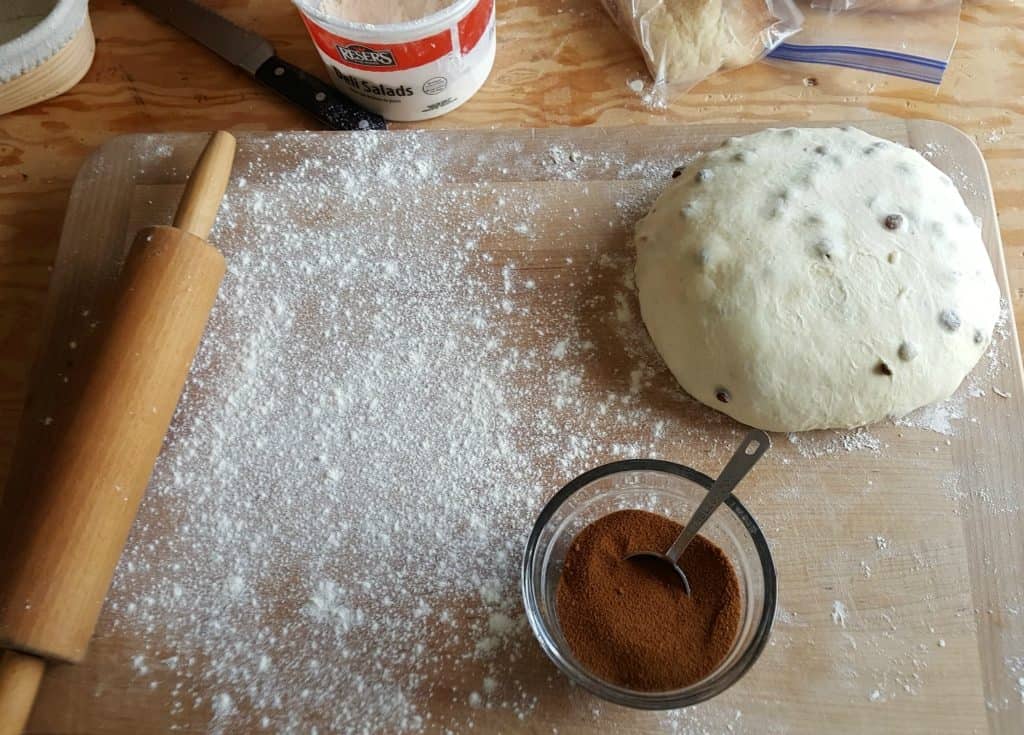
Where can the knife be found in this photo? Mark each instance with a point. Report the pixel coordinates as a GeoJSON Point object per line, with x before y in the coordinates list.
{"type": "Point", "coordinates": [255, 54]}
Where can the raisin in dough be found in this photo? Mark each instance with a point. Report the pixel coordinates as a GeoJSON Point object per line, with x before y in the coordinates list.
{"type": "Point", "coordinates": [815, 278]}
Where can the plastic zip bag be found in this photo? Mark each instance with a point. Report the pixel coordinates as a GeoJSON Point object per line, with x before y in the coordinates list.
{"type": "Point", "coordinates": [912, 39]}
{"type": "Point", "coordinates": [686, 41]}
{"type": "Point", "coordinates": [885, 6]}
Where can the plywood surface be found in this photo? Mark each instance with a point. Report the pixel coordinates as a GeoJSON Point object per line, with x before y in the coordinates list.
{"type": "Point", "coordinates": [899, 548]}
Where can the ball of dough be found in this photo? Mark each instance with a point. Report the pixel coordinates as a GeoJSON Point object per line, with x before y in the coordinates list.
{"type": "Point", "coordinates": [815, 278]}
{"type": "Point", "coordinates": [685, 41]}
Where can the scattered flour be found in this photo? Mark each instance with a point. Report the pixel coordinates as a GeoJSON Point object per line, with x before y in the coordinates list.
{"type": "Point", "coordinates": [937, 417]}
{"type": "Point", "coordinates": [839, 613]}
{"type": "Point", "coordinates": [333, 532]}
{"type": "Point", "coordinates": [388, 392]}
{"type": "Point", "coordinates": [223, 705]}
{"type": "Point", "coordinates": [1015, 669]}
{"type": "Point", "coordinates": [820, 443]}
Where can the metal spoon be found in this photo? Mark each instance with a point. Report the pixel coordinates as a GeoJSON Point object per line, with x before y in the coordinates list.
{"type": "Point", "coordinates": [754, 445]}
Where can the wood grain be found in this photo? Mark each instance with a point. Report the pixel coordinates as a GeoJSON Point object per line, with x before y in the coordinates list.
{"type": "Point", "coordinates": [54, 76]}
{"type": "Point", "coordinates": [20, 675]}
{"type": "Point", "coordinates": [956, 551]}
{"type": "Point", "coordinates": [205, 189]}
{"type": "Point", "coordinates": [60, 551]}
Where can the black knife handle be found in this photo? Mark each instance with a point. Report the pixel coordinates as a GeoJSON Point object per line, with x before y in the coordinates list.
{"type": "Point", "coordinates": [323, 101]}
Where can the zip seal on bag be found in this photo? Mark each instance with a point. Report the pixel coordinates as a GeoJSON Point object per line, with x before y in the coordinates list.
{"type": "Point", "coordinates": [911, 39]}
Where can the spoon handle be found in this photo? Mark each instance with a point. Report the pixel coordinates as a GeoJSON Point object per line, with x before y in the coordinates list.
{"type": "Point", "coordinates": [754, 444]}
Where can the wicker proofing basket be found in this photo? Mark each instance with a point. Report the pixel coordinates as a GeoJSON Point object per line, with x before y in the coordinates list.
{"type": "Point", "coordinates": [49, 57]}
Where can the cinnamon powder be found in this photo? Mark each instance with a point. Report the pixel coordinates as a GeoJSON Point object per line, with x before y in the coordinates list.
{"type": "Point", "coordinates": [629, 622]}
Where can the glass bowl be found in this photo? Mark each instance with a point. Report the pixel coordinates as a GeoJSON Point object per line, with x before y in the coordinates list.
{"type": "Point", "coordinates": [674, 491]}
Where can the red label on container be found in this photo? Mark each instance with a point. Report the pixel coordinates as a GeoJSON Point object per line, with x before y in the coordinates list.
{"type": "Point", "coordinates": [376, 56]}
{"type": "Point", "coordinates": [398, 56]}
{"type": "Point", "coordinates": [474, 25]}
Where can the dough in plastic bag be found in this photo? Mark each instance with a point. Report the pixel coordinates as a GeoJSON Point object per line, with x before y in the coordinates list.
{"type": "Point", "coordinates": [685, 41]}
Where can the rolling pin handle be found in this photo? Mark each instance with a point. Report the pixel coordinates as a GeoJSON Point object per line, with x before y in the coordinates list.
{"type": "Point", "coordinates": [20, 675]}
{"type": "Point", "coordinates": [206, 185]}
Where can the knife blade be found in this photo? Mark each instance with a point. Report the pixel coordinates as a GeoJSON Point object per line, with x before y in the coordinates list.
{"type": "Point", "coordinates": [256, 55]}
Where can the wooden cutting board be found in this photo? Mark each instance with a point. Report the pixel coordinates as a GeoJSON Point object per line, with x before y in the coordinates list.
{"type": "Point", "coordinates": [899, 548]}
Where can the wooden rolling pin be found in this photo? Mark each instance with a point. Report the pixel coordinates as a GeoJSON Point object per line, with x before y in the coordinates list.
{"type": "Point", "coordinates": [63, 548]}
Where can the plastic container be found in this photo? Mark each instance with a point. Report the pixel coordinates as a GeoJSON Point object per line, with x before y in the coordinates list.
{"type": "Point", "coordinates": [674, 491]}
{"type": "Point", "coordinates": [408, 71]}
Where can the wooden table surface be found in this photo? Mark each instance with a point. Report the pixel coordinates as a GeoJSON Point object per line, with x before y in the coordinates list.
{"type": "Point", "coordinates": [560, 62]}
